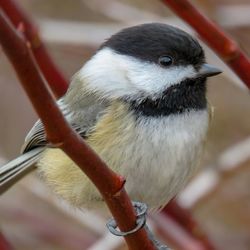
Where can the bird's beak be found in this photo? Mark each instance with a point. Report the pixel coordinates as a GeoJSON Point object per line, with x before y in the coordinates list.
{"type": "Point", "coordinates": [208, 70]}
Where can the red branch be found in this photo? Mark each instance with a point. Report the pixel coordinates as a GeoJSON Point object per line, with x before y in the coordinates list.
{"type": "Point", "coordinates": [4, 244]}
{"type": "Point", "coordinates": [185, 219]}
{"type": "Point", "coordinates": [59, 133]}
{"type": "Point", "coordinates": [18, 18]}
{"type": "Point", "coordinates": [176, 235]}
{"type": "Point", "coordinates": [215, 37]}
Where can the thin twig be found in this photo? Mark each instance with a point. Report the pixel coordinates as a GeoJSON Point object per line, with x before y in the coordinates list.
{"type": "Point", "coordinates": [21, 21]}
{"type": "Point", "coordinates": [176, 235]}
{"type": "Point", "coordinates": [184, 218]}
{"type": "Point", "coordinates": [4, 243]}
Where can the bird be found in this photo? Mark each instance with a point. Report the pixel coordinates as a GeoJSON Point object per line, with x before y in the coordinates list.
{"type": "Point", "coordinates": [140, 102]}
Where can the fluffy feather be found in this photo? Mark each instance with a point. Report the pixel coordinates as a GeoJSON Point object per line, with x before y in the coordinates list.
{"type": "Point", "coordinates": [157, 156]}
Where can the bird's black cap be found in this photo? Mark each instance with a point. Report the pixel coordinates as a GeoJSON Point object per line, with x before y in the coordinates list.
{"type": "Point", "coordinates": [148, 42]}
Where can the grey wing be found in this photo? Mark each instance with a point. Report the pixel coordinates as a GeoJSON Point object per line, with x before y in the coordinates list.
{"type": "Point", "coordinates": [82, 118]}
{"type": "Point", "coordinates": [82, 114]}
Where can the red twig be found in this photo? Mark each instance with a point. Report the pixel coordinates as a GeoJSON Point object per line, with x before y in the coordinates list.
{"type": "Point", "coordinates": [185, 219]}
{"type": "Point", "coordinates": [176, 235]}
{"type": "Point", "coordinates": [4, 244]}
{"type": "Point", "coordinates": [18, 18]}
{"type": "Point", "coordinates": [58, 131]}
{"type": "Point", "coordinates": [214, 36]}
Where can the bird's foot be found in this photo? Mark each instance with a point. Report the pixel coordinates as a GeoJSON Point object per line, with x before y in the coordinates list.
{"type": "Point", "coordinates": [141, 214]}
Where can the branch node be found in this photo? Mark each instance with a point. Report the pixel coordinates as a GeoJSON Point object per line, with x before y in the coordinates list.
{"type": "Point", "coordinates": [231, 52]}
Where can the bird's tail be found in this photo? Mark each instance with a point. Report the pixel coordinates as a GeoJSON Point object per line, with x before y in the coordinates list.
{"type": "Point", "coordinates": [16, 169]}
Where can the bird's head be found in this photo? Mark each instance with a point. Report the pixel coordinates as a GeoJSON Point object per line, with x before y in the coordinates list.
{"type": "Point", "coordinates": [148, 63]}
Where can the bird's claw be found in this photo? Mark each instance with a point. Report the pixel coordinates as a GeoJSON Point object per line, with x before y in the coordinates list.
{"type": "Point", "coordinates": [141, 213]}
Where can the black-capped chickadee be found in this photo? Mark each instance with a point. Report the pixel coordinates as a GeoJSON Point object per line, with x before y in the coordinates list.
{"type": "Point", "coordinates": [140, 103]}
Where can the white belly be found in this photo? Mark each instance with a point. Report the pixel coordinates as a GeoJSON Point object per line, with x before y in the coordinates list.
{"type": "Point", "coordinates": [157, 156]}
{"type": "Point", "coordinates": [164, 158]}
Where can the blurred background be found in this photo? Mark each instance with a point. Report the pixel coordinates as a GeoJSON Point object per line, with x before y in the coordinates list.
{"type": "Point", "coordinates": [31, 217]}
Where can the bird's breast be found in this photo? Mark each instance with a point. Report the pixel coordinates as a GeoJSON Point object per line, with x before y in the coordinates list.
{"type": "Point", "coordinates": [157, 155]}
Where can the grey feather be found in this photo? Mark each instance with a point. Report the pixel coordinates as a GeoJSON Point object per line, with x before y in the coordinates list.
{"type": "Point", "coordinates": [16, 169]}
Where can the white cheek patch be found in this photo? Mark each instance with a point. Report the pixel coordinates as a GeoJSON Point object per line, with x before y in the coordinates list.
{"type": "Point", "coordinates": [153, 78]}
{"type": "Point", "coordinates": [116, 75]}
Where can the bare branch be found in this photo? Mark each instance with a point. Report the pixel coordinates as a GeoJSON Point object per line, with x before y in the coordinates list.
{"type": "Point", "coordinates": [4, 244]}
{"type": "Point", "coordinates": [22, 23]}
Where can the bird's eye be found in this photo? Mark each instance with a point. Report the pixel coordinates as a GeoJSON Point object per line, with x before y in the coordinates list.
{"type": "Point", "coordinates": [165, 61]}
